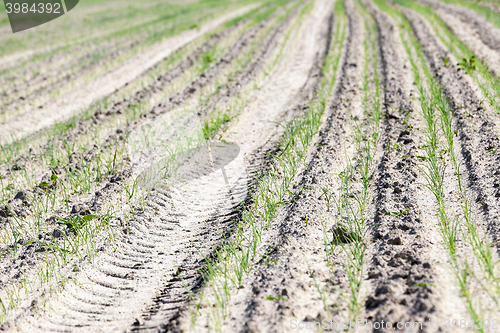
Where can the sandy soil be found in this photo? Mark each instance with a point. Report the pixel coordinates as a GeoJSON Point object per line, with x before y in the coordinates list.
{"type": "Point", "coordinates": [69, 105]}
{"type": "Point", "coordinates": [148, 278]}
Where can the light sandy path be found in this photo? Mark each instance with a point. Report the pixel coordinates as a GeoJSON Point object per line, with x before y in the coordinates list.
{"type": "Point", "coordinates": [279, 93]}
{"type": "Point", "coordinates": [70, 105]}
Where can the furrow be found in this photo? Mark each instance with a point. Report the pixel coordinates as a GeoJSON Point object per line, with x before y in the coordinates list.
{"type": "Point", "coordinates": [37, 91]}
{"type": "Point", "coordinates": [296, 73]}
{"type": "Point", "coordinates": [402, 262]}
{"type": "Point", "coordinates": [474, 125]}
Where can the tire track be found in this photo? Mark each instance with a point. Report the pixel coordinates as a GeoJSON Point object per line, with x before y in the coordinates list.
{"type": "Point", "coordinates": [297, 81]}
{"type": "Point", "coordinates": [110, 297]}
{"type": "Point", "coordinates": [300, 87]}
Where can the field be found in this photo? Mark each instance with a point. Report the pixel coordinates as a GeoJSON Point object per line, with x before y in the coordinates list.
{"type": "Point", "coordinates": [252, 166]}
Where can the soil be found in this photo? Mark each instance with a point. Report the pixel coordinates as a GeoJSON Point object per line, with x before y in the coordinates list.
{"type": "Point", "coordinates": [149, 275]}
{"type": "Point", "coordinates": [105, 85]}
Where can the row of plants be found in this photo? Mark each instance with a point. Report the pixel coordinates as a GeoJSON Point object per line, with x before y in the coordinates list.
{"type": "Point", "coordinates": [83, 235]}
{"type": "Point", "coordinates": [226, 268]}
{"type": "Point", "coordinates": [456, 217]}
{"type": "Point", "coordinates": [345, 236]}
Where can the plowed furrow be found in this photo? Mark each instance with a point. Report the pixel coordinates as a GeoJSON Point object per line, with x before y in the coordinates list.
{"type": "Point", "coordinates": [36, 92]}
{"type": "Point", "coordinates": [474, 125]}
{"type": "Point", "coordinates": [399, 252]}
{"type": "Point", "coordinates": [297, 79]}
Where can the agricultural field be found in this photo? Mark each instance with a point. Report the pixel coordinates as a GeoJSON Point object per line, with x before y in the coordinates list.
{"type": "Point", "coordinates": [252, 166]}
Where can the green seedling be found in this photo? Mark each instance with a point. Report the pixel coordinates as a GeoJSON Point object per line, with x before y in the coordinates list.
{"type": "Point", "coordinates": [468, 65]}
{"type": "Point", "coordinates": [215, 124]}
{"type": "Point", "coordinates": [266, 259]}
{"type": "Point", "coordinates": [399, 213]}
{"type": "Point", "coordinates": [75, 224]}
{"type": "Point", "coordinates": [269, 262]}
{"type": "Point", "coordinates": [491, 149]}
{"type": "Point", "coordinates": [277, 298]}
{"type": "Point", "coordinates": [422, 284]}
{"type": "Point", "coordinates": [45, 185]}
{"type": "Point", "coordinates": [328, 196]}
{"type": "Point", "coordinates": [394, 146]}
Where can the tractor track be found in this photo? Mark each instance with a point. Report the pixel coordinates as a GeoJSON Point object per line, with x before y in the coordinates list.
{"type": "Point", "coordinates": [295, 107]}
